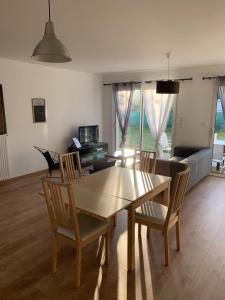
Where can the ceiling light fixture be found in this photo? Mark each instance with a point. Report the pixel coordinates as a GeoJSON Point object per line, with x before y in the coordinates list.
{"type": "Point", "coordinates": [167, 86]}
{"type": "Point", "coordinates": [50, 49]}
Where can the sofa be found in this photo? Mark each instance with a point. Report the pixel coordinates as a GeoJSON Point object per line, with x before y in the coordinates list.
{"type": "Point", "coordinates": [169, 168]}
{"type": "Point", "coordinates": [198, 159]}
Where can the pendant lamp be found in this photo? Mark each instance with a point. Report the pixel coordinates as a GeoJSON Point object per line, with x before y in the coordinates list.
{"type": "Point", "coordinates": [50, 48]}
{"type": "Point", "coordinates": [167, 86]}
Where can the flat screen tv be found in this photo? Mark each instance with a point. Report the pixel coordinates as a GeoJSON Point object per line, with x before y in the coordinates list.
{"type": "Point", "coordinates": [88, 134]}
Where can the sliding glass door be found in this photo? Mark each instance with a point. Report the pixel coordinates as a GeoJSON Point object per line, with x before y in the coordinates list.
{"type": "Point", "coordinates": [218, 159]}
{"type": "Point", "coordinates": [166, 139]}
{"type": "Point", "coordinates": [138, 133]}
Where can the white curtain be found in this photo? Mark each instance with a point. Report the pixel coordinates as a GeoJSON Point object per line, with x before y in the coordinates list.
{"type": "Point", "coordinates": [123, 97]}
{"type": "Point", "coordinates": [157, 107]}
{"type": "Point", "coordinates": [221, 92]}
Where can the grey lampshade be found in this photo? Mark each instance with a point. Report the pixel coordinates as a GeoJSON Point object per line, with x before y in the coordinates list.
{"type": "Point", "coordinates": [167, 87]}
{"type": "Point", "coordinates": [51, 49]}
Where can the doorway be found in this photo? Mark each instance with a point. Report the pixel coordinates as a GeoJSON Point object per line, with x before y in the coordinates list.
{"type": "Point", "coordinates": [138, 134]}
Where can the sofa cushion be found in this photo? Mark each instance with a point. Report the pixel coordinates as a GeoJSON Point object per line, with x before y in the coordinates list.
{"type": "Point", "coordinates": [185, 151]}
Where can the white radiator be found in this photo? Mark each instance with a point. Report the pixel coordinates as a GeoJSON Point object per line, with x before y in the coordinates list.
{"type": "Point", "coordinates": [4, 164]}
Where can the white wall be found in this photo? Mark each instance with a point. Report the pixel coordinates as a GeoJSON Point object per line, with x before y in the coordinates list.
{"type": "Point", "coordinates": [72, 99]}
{"type": "Point", "coordinates": [194, 103]}
{"type": "Point", "coordinates": [108, 118]}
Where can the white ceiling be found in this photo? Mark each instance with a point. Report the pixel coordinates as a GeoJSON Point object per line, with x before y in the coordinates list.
{"type": "Point", "coordinates": [118, 35]}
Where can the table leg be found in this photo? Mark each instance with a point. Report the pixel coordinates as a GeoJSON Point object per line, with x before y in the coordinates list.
{"type": "Point", "coordinates": [123, 162]}
{"type": "Point", "coordinates": [166, 195]}
{"type": "Point", "coordinates": [131, 239]}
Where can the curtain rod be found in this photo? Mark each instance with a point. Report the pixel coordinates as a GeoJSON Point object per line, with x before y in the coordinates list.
{"type": "Point", "coordinates": [149, 81]}
{"type": "Point", "coordinates": [212, 77]}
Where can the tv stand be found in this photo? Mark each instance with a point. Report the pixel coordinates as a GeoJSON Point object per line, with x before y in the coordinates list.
{"type": "Point", "coordinates": [90, 153]}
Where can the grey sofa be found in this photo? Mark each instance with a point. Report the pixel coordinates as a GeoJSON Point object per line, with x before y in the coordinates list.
{"type": "Point", "coordinates": [169, 168]}
{"type": "Point", "coordinates": [199, 159]}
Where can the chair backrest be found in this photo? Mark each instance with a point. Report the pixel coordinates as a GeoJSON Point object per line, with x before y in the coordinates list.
{"type": "Point", "coordinates": [68, 164]}
{"type": "Point", "coordinates": [57, 195]}
{"type": "Point", "coordinates": [147, 161]}
{"type": "Point", "coordinates": [178, 192]}
{"type": "Point", "coordinates": [51, 157]}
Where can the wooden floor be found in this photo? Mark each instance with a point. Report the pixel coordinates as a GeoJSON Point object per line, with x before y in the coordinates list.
{"type": "Point", "coordinates": [197, 272]}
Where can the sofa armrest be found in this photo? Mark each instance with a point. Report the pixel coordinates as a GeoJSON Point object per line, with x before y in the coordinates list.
{"type": "Point", "coordinates": [200, 164]}
{"type": "Point", "coordinates": [162, 167]}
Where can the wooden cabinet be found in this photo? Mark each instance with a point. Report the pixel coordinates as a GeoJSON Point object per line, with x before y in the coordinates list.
{"type": "Point", "coordinates": [90, 153]}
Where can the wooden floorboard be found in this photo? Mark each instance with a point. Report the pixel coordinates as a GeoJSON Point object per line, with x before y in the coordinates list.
{"type": "Point", "coordinates": [196, 272]}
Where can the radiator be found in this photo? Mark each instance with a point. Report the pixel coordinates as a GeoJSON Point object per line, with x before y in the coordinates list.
{"type": "Point", "coordinates": [4, 164]}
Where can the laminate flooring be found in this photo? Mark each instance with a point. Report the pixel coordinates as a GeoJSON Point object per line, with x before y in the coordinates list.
{"type": "Point", "coordinates": [196, 272]}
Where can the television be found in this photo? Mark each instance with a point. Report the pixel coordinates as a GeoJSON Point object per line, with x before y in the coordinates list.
{"type": "Point", "coordinates": [88, 134]}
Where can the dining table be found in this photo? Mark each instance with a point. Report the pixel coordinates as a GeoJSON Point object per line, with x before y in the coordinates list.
{"type": "Point", "coordinates": [130, 185]}
{"type": "Point", "coordinates": [107, 192]}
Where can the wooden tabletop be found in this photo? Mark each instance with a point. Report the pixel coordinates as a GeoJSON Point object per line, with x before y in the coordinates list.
{"type": "Point", "coordinates": [124, 183]}
{"type": "Point", "coordinates": [106, 192]}
{"type": "Point", "coordinates": [98, 204]}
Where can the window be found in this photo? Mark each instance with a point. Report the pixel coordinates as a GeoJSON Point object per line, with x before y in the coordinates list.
{"type": "Point", "coordinates": [219, 140]}
{"type": "Point", "coordinates": [219, 122]}
{"type": "Point", "coordinates": [3, 129]}
{"type": "Point", "coordinates": [138, 133]}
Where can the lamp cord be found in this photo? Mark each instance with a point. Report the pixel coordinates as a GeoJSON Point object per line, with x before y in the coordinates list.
{"type": "Point", "coordinates": [49, 11]}
{"type": "Point", "coordinates": [168, 57]}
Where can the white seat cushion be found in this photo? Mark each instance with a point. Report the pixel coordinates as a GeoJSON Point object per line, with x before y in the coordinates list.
{"type": "Point", "coordinates": [89, 226]}
{"type": "Point", "coordinates": [152, 212]}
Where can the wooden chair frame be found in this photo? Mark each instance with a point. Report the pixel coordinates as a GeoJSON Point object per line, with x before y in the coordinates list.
{"type": "Point", "coordinates": [58, 214]}
{"type": "Point", "coordinates": [145, 161]}
{"type": "Point", "coordinates": [68, 160]}
{"type": "Point", "coordinates": [173, 213]}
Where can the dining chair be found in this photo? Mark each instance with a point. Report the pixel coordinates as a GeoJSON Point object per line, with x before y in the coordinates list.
{"type": "Point", "coordinates": [77, 229]}
{"type": "Point", "coordinates": [67, 162]}
{"type": "Point", "coordinates": [157, 216]}
{"type": "Point", "coordinates": [146, 161]}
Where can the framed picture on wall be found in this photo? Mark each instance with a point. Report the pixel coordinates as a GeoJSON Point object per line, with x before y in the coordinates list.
{"type": "Point", "coordinates": [38, 108]}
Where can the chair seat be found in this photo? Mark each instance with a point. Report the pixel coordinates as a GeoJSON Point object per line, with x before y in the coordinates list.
{"type": "Point", "coordinates": [89, 226]}
{"type": "Point", "coordinates": [152, 212]}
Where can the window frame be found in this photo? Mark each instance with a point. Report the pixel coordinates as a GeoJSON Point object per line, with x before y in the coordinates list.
{"type": "Point", "coordinates": [173, 129]}
{"type": "Point", "coordinates": [3, 127]}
